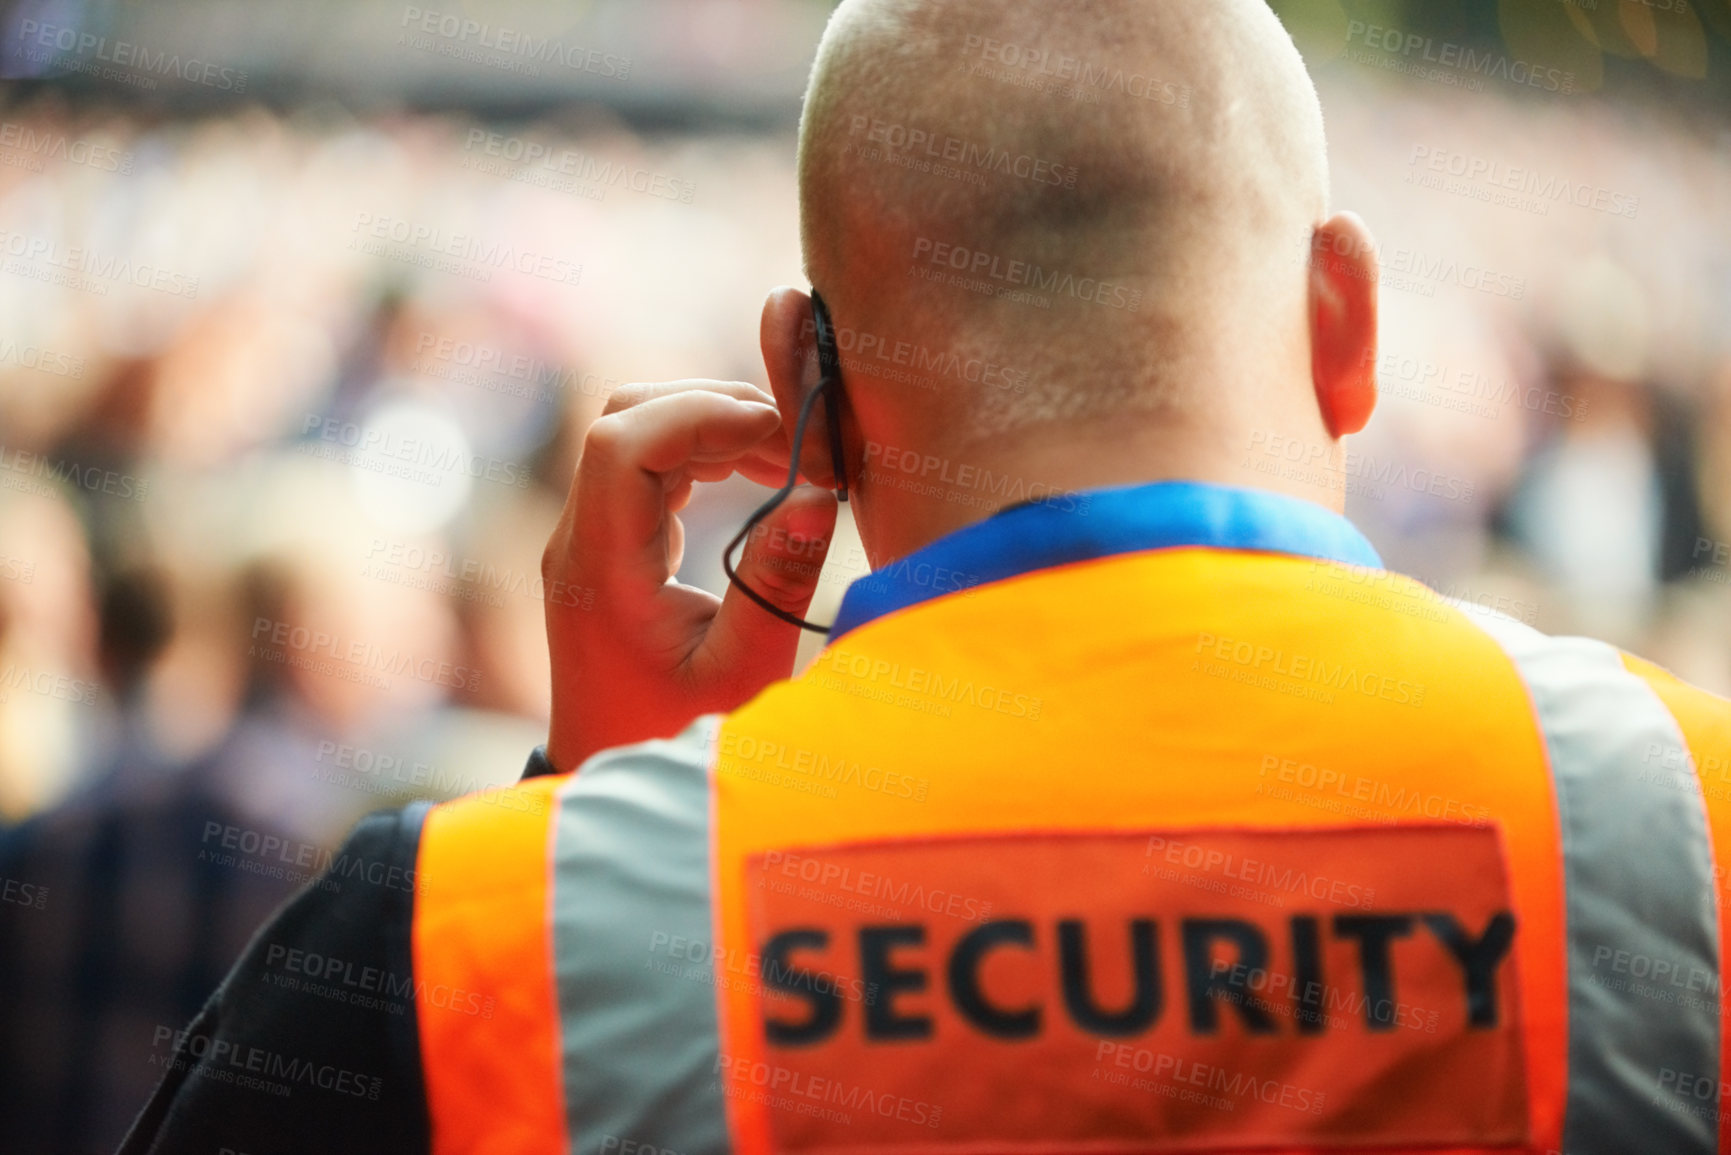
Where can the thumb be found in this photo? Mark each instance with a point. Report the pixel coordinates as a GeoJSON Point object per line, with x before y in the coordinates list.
{"type": "Point", "coordinates": [746, 647]}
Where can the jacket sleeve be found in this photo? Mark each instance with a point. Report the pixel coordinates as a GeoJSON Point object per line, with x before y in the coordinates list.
{"type": "Point", "coordinates": [310, 1043]}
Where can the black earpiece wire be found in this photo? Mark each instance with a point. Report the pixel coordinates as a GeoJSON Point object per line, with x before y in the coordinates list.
{"type": "Point", "coordinates": [829, 385]}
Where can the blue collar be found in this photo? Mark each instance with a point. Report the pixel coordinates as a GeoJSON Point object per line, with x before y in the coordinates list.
{"type": "Point", "coordinates": [1103, 523]}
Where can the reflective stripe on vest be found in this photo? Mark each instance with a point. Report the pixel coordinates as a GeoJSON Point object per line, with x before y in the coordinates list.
{"type": "Point", "coordinates": [1704, 763]}
{"type": "Point", "coordinates": [634, 942]}
{"type": "Point", "coordinates": [1638, 867]}
{"type": "Point", "coordinates": [574, 913]}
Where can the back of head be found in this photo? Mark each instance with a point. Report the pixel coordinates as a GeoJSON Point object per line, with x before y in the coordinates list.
{"type": "Point", "coordinates": [1104, 199]}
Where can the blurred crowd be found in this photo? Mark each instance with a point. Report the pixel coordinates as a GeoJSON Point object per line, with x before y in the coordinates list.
{"type": "Point", "coordinates": [289, 403]}
{"type": "Point", "coordinates": [288, 407]}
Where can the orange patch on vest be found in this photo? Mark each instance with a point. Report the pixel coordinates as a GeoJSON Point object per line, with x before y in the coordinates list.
{"type": "Point", "coordinates": [1189, 990]}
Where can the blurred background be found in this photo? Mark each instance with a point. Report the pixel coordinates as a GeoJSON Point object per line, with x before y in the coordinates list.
{"type": "Point", "coordinates": [304, 310]}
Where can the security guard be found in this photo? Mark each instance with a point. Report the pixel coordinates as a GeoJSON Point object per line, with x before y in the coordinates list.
{"type": "Point", "coordinates": [1132, 805]}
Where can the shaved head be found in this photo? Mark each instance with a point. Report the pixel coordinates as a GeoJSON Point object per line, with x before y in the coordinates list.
{"type": "Point", "coordinates": [1105, 200]}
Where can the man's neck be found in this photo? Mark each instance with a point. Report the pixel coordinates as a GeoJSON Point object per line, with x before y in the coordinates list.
{"type": "Point", "coordinates": [911, 498]}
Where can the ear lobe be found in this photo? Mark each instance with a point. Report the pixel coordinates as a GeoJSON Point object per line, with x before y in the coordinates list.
{"type": "Point", "coordinates": [1343, 316]}
{"type": "Point", "coordinates": [789, 341]}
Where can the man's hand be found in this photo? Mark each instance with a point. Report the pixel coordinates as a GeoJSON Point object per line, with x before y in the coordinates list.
{"type": "Point", "coordinates": [650, 655]}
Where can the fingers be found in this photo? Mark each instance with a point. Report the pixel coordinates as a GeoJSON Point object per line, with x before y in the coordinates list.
{"type": "Point", "coordinates": [766, 465]}
{"type": "Point", "coordinates": [629, 396]}
{"type": "Point", "coordinates": [619, 502]}
{"type": "Point", "coordinates": [664, 653]}
{"type": "Point", "coordinates": [782, 561]}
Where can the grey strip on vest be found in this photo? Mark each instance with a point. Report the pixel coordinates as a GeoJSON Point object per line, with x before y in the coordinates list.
{"type": "Point", "coordinates": [632, 939]}
{"type": "Point", "coordinates": [1638, 867]}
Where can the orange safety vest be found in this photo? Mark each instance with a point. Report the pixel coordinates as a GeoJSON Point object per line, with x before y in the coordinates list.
{"type": "Point", "coordinates": [1151, 819]}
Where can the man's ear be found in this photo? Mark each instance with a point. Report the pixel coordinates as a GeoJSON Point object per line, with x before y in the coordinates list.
{"type": "Point", "coordinates": [789, 339]}
{"type": "Point", "coordinates": [1343, 280]}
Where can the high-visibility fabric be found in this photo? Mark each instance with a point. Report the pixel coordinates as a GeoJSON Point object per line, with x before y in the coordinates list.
{"type": "Point", "coordinates": [483, 956]}
{"type": "Point", "coordinates": [636, 967]}
{"type": "Point", "coordinates": [1638, 873]}
{"type": "Point", "coordinates": [1180, 695]}
{"type": "Point", "coordinates": [1161, 820]}
{"type": "Point", "coordinates": [1701, 763]}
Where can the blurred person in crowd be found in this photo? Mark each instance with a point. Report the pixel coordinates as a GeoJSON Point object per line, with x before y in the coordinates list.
{"type": "Point", "coordinates": [1609, 506]}
{"type": "Point", "coordinates": [1714, 480]}
{"type": "Point", "coordinates": [49, 695]}
{"type": "Point", "coordinates": [491, 572]}
{"type": "Point", "coordinates": [157, 872]}
{"type": "Point", "coordinates": [131, 921]}
{"type": "Point", "coordinates": [1070, 728]}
